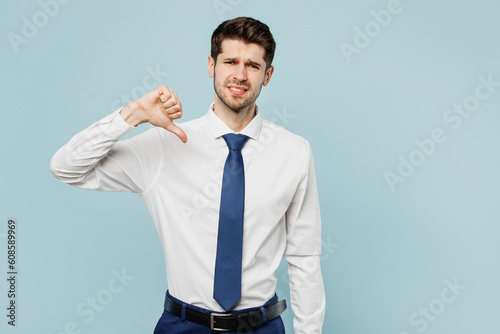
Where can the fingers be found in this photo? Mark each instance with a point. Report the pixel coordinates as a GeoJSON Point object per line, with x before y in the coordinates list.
{"type": "Point", "coordinates": [168, 98]}
{"type": "Point", "coordinates": [170, 103]}
{"type": "Point", "coordinates": [171, 107]}
{"type": "Point", "coordinates": [177, 131]}
{"type": "Point", "coordinates": [176, 115]}
{"type": "Point", "coordinates": [163, 90]}
{"type": "Point", "coordinates": [172, 100]}
{"type": "Point", "coordinates": [176, 109]}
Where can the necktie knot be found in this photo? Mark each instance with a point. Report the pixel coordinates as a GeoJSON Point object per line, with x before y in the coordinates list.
{"type": "Point", "coordinates": [235, 141]}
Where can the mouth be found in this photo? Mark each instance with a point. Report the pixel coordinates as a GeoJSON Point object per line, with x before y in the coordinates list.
{"type": "Point", "coordinates": [237, 90]}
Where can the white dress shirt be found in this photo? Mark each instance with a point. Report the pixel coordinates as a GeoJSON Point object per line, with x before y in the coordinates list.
{"type": "Point", "coordinates": [181, 186]}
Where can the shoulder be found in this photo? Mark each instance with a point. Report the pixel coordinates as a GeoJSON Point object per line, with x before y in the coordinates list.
{"type": "Point", "coordinates": [283, 138]}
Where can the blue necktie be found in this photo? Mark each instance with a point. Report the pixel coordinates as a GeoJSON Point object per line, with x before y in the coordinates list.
{"type": "Point", "coordinates": [227, 280]}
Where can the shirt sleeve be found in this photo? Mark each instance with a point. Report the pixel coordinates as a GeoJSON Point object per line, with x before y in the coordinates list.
{"type": "Point", "coordinates": [95, 158]}
{"type": "Point", "coordinates": [302, 252]}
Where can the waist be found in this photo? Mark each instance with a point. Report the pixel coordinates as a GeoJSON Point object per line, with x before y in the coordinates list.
{"type": "Point", "coordinates": [217, 309]}
{"type": "Point", "coordinates": [242, 320]}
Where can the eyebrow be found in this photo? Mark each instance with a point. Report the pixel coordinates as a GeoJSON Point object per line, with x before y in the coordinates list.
{"type": "Point", "coordinates": [250, 61]}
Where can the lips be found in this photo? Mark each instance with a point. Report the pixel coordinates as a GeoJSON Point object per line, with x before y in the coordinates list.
{"type": "Point", "coordinates": [237, 90]}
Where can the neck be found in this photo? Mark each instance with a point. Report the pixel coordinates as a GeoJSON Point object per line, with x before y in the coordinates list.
{"type": "Point", "coordinates": [236, 120]}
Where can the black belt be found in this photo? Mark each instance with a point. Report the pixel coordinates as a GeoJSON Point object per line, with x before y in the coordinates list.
{"type": "Point", "coordinates": [225, 322]}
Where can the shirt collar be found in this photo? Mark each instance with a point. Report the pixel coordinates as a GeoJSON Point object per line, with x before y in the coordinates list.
{"type": "Point", "coordinates": [219, 128]}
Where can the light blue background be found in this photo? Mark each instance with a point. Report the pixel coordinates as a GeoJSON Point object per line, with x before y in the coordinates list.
{"type": "Point", "coordinates": [387, 252]}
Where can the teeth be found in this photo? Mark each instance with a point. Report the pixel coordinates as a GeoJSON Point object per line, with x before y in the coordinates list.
{"type": "Point", "coordinates": [236, 89]}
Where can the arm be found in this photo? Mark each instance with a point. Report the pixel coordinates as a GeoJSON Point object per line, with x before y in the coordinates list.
{"type": "Point", "coordinates": [94, 159]}
{"type": "Point", "coordinates": [302, 253]}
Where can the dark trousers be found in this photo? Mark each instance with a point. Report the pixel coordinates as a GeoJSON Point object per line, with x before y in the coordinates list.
{"type": "Point", "coordinates": [171, 324]}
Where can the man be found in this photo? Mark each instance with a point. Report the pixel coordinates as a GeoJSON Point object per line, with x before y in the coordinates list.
{"type": "Point", "coordinates": [230, 194]}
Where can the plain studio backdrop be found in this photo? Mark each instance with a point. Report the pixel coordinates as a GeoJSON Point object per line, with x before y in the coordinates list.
{"type": "Point", "coordinates": [400, 101]}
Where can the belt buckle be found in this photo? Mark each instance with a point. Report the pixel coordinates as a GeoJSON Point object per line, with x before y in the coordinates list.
{"type": "Point", "coordinates": [212, 321]}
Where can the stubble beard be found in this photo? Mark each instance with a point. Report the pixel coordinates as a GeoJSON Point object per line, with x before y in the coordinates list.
{"type": "Point", "coordinates": [235, 103]}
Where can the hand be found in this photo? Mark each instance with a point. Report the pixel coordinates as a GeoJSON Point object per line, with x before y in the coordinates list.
{"type": "Point", "coordinates": [158, 107]}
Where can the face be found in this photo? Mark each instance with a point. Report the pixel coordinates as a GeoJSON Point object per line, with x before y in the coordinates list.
{"type": "Point", "coordinates": [239, 74]}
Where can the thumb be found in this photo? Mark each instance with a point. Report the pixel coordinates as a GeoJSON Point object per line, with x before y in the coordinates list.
{"type": "Point", "coordinates": [177, 131]}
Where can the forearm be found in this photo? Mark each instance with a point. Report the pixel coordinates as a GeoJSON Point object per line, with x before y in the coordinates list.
{"type": "Point", "coordinates": [307, 294]}
{"type": "Point", "coordinates": [303, 220]}
{"type": "Point", "coordinates": [75, 160]}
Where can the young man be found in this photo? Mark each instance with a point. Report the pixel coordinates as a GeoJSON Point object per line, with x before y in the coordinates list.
{"type": "Point", "coordinates": [230, 194]}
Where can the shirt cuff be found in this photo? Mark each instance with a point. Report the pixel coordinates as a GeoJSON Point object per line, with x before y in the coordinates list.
{"type": "Point", "coordinates": [117, 125]}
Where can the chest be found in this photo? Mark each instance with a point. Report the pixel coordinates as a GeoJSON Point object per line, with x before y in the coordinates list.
{"type": "Point", "coordinates": [271, 178]}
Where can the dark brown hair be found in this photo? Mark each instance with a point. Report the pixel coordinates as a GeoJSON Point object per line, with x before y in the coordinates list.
{"type": "Point", "coordinates": [247, 30]}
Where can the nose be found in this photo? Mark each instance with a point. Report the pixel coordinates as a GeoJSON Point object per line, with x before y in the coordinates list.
{"type": "Point", "coordinates": [240, 73]}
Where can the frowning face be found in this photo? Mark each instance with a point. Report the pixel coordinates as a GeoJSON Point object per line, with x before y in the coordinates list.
{"type": "Point", "coordinates": [239, 74]}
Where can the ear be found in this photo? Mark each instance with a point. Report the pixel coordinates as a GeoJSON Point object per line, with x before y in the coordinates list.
{"type": "Point", "coordinates": [211, 66]}
{"type": "Point", "coordinates": [268, 75]}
